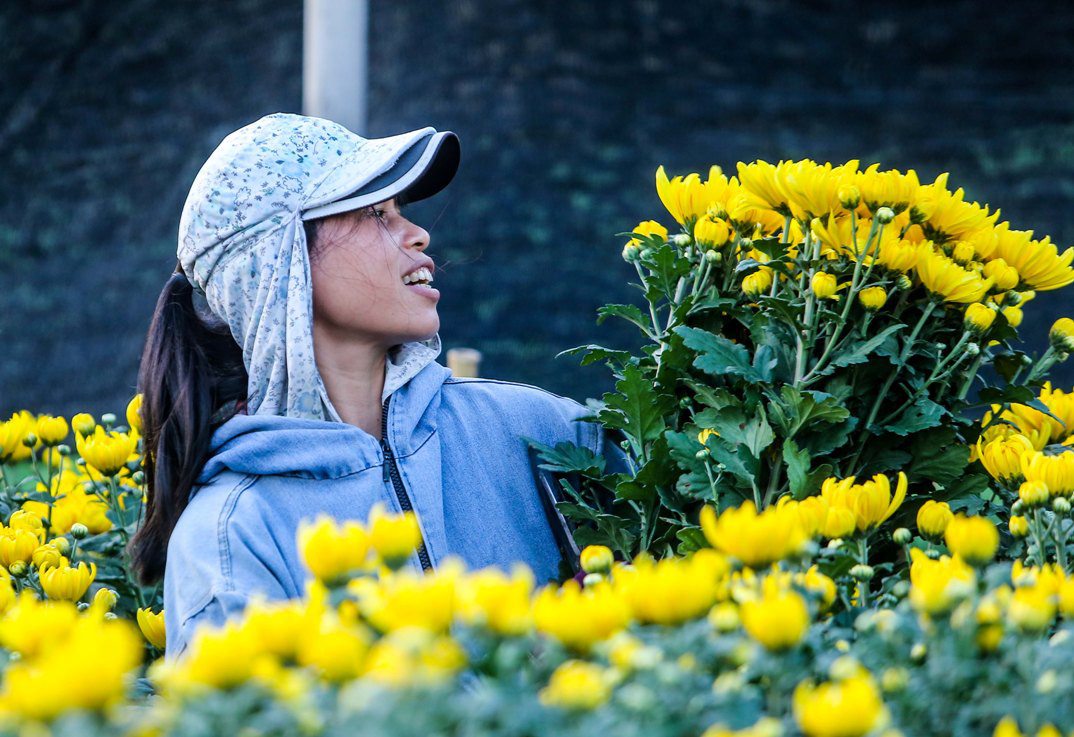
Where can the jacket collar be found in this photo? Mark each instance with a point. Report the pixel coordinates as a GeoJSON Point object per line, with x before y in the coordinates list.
{"type": "Point", "coordinates": [267, 444]}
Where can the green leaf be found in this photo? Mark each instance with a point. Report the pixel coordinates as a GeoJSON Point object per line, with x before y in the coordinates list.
{"type": "Point", "coordinates": [970, 485]}
{"type": "Point", "coordinates": [567, 457]}
{"type": "Point", "coordinates": [735, 428]}
{"type": "Point", "coordinates": [921, 415]}
{"type": "Point", "coordinates": [717, 355]}
{"type": "Point", "coordinates": [635, 407]}
{"type": "Point", "coordinates": [716, 397]}
{"type": "Point", "coordinates": [937, 456]}
{"type": "Point", "coordinates": [859, 351]}
{"type": "Point", "coordinates": [796, 409]}
{"type": "Point", "coordinates": [630, 313]}
{"type": "Point", "coordinates": [693, 539]}
{"type": "Point", "coordinates": [770, 247]}
{"type": "Point", "coordinates": [597, 353]}
{"type": "Point", "coordinates": [803, 482]}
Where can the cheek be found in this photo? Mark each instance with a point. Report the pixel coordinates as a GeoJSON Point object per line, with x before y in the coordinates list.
{"type": "Point", "coordinates": [352, 288]}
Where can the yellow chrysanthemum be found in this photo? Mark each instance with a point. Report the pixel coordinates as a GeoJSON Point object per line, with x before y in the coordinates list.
{"type": "Point", "coordinates": [755, 539]}
{"type": "Point", "coordinates": [1037, 261]}
{"type": "Point", "coordinates": [890, 188]}
{"type": "Point", "coordinates": [945, 278]}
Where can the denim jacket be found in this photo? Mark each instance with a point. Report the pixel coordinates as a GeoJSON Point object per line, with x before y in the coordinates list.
{"type": "Point", "coordinates": [452, 450]}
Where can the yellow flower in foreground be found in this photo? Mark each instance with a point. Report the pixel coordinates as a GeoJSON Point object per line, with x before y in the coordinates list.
{"type": "Point", "coordinates": [152, 626]}
{"type": "Point", "coordinates": [333, 551]}
{"type": "Point", "coordinates": [577, 684]}
{"type": "Point", "coordinates": [413, 656]}
{"type": "Point", "coordinates": [933, 518]}
{"type": "Point", "coordinates": [778, 619]}
{"type": "Point", "coordinates": [937, 585]}
{"type": "Point", "coordinates": [1053, 471]}
{"type": "Point", "coordinates": [333, 648]}
{"type": "Point", "coordinates": [393, 536]}
{"type": "Point", "coordinates": [83, 423]}
{"type": "Point", "coordinates": [672, 590]}
{"type": "Point", "coordinates": [821, 518]}
{"type": "Point", "coordinates": [87, 667]}
{"type": "Point", "coordinates": [218, 657]}
{"type": "Point", "coordinates": [1038, 261]}
{"type": "Point", "coordinates": [410, 599]}
{"type": "Point", "coordinates": [974, 538]}
{"type": "Point", "coordinates": [578, 617]}
{"type": "Point", "coordinates": [491, 598]}
{"type": "Point", "coordinates": [31, 626]}
{"type": "Point", "coordinates": [755, 539]}
{"type": "Point", "coordinates": [1019, 526]}
{"type": "Point", "coordinates": [945, 278]}
{"type": "Point", "coordinates": [1031, 608]}
{"type": "Point", "coordinates": [106, 452]}
{"type": "Point", "coordinates": [848, 708]}
{"type": "Point", "coordinates": [67, 583]}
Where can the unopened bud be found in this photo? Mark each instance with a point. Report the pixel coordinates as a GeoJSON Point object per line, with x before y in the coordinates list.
{"type": "Point", "coordinates": [1017, 508]}
{"type": "Point", "coordinates": [1061, 505]}
{"type": "Point", "coordinates": [849, 197]}
{"type": "Point", "coordinates": [701, 453]}
{"type": "Point", "coordinates": [745, 244]}
{"type": "Point", "coordinates": [138, 477]}
{"type": "Point", "coordinates": [592, 579]}
{"type": "Point", "coordinates": [862, 572]}
{"type": "Point", "coordinates": [17, 567]}
{"type": "Point", "coordinates": [972, 349]}
{"type": "Point", "coordinates": [904, 282]}
{"type": "Point", "coordinates": [79, 530]}
{"type": "Point", "coordinates": [713, 256]}
{"type": "Point", "coordinates": [902, 536]}
{"type": "Point", "coordinates": [106, 599]}
{"type": "Point", "coordinates": [63, 449]}
{"type": "Point", "coordinates": [901, 589]}
{"type": "Point", "coordinates": [681, 239]}
{"type": "Point", "coordinates": [108, 419]}
{"type": "Point", "coordinates": [631, 252]}
{"type": "Point", "coordinates": [919, 652]}
{"type": "Point", "coordinates": [62, 544]}
{"type": "Point", "coordinates": [885, 215]}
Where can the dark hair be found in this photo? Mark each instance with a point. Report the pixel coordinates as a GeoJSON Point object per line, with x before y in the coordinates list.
{"type": "Point", "coordinates": [189, 370]}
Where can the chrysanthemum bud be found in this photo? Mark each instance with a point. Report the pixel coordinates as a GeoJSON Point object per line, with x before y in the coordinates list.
{"type": "Point", "coordinates": [62, 544]}
{"type": "Point", "coordinates": [596, 559]}
{"type": "Point", "coordinates": [885, 215]}
{"type": "Point", "coordinates": [592, 579]}
{"type": "Point", "coordinates": [105, 599]}
{"type": "Point", "coordinates": [1019, 526]}
{"type": "Point", "coordinates": [713, 256]}
{"type": "Point", "coordinates": [745, 244]}
{"type": "Point", "coordinates": [1014, 316]}
{"type": "Point", "coordinates": [699, 455]}
{"type": "Point", "coordinates": [823, 285]}
{"type": "Point", "coordinates": [933, 517]}
{"type": "Point", "coordinates": [108, 419]}
{"type": "Point", "coordinates": [1033, 493]}
{"type": "Point", "coordinates": [1018, 507]}
{"type": "Point", "coordinates": [849, 197]}
{"type": "Point", "coordinates": [1000, 272]}
{"type": "Point", "coordinates": [757, 283]}
{"type": "Point", "coordinates": [862, 572]}
{"type": "Point", "coordinates": [1061, 505]}
{"type": "Point", "coordinates": [1062, 335]}
{"type": "Point", "coordinates": [873, 298]}
{"type": "Point", "coordinates": [904, 282]}
{"type": "Point", "coordinates": [972, 349]}
{"type": "Point", "coordinates": [919, 652]}
{"type": "Point", "coordinates": [79, 531]}
{"type": "Point", "coordinates": [978, 318]}
{"type": "Point", "coordinates": [902, 536]}
{"type": "Point", "coordinates": [724, 617]}
{"type": "Point", "coordinates": [30, 439]}
{"type": "Point", "coordinates": [63, 449]}
{"type": "Point", "coordinates": [681, 239]}
{"type": "Point", "coordinates": [893, 680]}
{"type": "Point", "coordinates": [83, 423]}
{"type": "Point", "coordinates": [138, 477]}
{"type": "Point", "coordinates": [631, 253]}
{"type": "Point", "coordinates": [17, 567]}
{"type": "Point", "coordinates": [962, 252]}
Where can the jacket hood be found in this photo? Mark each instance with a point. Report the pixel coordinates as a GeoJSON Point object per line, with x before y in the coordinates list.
{"type": "Point", "coordinates": [265, 444]}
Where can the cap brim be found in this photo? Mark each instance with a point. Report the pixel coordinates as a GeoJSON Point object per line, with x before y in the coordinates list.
{"type": "Point", "coordinates": [423, 169]}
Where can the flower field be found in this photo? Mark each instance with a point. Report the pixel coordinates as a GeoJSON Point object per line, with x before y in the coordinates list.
{"type": "Point", "coordinates": [847, 513]}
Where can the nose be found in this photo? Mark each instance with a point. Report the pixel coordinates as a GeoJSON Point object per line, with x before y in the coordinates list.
{"type": "Point", "coordinates": [419, 237]}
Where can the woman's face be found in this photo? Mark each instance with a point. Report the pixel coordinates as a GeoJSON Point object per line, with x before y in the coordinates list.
{"type": "Point", "coordinates": [358, 287]}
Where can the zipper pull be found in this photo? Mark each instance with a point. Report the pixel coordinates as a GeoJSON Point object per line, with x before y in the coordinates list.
{"type": "Point", "coordinates": [387, 459]}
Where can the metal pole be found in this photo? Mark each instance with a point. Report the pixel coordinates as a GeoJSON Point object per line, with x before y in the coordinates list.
{"type": "Point", "coordinates": [335, 61]}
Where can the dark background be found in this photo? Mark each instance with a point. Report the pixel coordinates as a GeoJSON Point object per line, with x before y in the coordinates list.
{"type": "Point", "coordinates": [564, 110]}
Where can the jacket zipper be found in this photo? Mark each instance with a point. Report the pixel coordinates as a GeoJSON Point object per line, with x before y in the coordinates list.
{"type": "Point", "coordinates": [392, 471]}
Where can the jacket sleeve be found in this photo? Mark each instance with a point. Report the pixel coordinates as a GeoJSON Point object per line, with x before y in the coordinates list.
{"type": "Point", "coordinates": [219, 555]}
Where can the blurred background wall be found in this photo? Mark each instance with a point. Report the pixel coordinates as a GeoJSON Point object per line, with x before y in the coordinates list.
{"type": "Point", "coordinates": [564, 110]}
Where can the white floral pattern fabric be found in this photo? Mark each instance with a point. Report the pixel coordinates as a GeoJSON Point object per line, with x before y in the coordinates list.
{"type": "Point", "coordinates": [243, 247]}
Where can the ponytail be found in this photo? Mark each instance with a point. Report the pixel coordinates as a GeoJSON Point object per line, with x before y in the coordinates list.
{"type": "Point", "coordinates": [188, 371]}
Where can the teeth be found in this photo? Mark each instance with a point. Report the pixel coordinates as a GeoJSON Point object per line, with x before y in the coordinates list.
{"type": "Point", "coordinates": [420, 275]}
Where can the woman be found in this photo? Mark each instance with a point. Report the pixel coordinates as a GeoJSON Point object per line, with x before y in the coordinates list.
{"type": "Point", "coordinates": [289, 371]}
